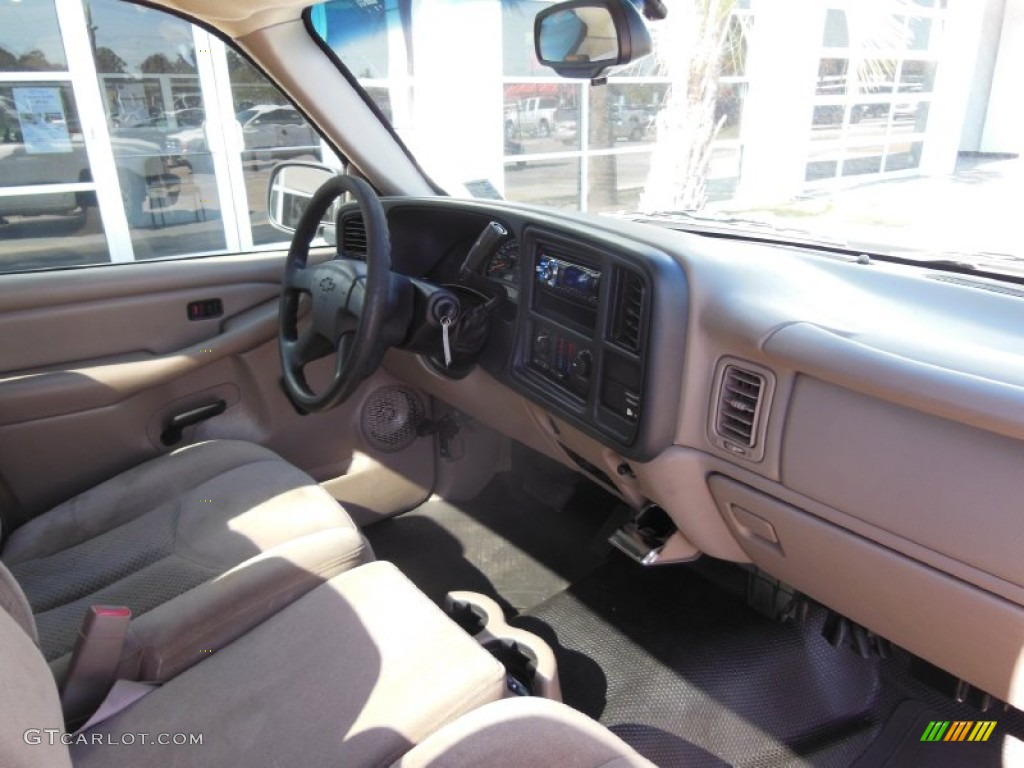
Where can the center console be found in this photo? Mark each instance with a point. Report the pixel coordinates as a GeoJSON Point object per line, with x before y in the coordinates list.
{"type": "Point", "coordinates": [584, 330]}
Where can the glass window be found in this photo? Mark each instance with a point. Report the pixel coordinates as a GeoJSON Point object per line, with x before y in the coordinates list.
{"type": "Point", "coordinates": [553, 182]}
{"type": "Point", "coordinates": [41, 138]}
{"type": "Point", "coordinates": [920, 30]}
{"type": "Point", "coordinates": [877, 76]}
{"type": "Point", "coordinates": [153, 101]}
{"type": "Point", "coordinates": [624, 114]}
{"type": "Point", "coordinates": [861, 160]}
{"type": "Point", "coordinates": [917, 76]}
{"type": "Point", "coordinates": [30, 38]}
{"type": "Point", "coordinates": [617, 181]}
{"type": "Point", "coordinates": [909, 117]}
{"type": "Point", "coordinates": [540, 117]}
{"type": "Point", "coordinates": [903, 157]}
{"type": "Point", "coordinates": [518, 54]}
{"type": "Point", "coordinates": [358, 30]}
{"type": "Point", "coordinates": [270, 130]}
{"type": "Point", "coordinates": [729, 109]}
{"type": "Point", "coordinates": [129, 164]}
{"type": "Point", "coordinates": [832, 77]}
{"type": "Point", "coordinates": [869, 119]}
{"type": "Point", "coordinates": [780, 112]}
{"type": "Point", "coordinates": [890, 99]}
{"type": "Point", "coordinates": [837, 35]}
{"type": "Point", "coordinates": [827, 122]}
{"type": "Point", "coordinates": [818, 169]}
{"type": "Point", "coordinates": [42, 147]}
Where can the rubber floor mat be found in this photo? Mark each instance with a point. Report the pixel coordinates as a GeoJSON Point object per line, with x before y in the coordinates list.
{"type": "Point", "coordinates": [690, 676]}
{"type": "Point", "coordinates": [502, 544]}
{"type": "Point", "coordinates": [673, 662]}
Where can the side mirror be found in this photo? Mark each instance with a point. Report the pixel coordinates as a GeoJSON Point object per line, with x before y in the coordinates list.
{"type": "Point", "coordinates": [291, 187]}
{"type": "Point", "coordinates": [585, 38]}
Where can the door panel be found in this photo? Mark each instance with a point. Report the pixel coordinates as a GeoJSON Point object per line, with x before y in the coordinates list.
{"type": "Point", "coordinates": [144, 325]}
{"type": "Point", "coordinates": [54, 389]}
{"type": "Point", "coordinates": [92, 370]}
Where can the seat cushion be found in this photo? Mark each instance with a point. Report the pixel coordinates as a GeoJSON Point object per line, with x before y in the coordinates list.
{"type": "Point", "coordinates": [354, 673]}
{"type": "Point", "coordinates": [523, 732]}
{"type": "Point", "coordinates": [201, 544]}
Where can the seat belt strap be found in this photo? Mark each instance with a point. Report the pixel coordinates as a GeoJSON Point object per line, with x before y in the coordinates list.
{"type": "Point", "coordinates": [121, 696]}
{"type": "Point", "coordinates": [94, 662]}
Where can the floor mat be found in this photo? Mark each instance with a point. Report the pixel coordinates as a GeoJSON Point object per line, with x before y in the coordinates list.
{"type": "Point", "coordinates": [503, 544]}
{"type": "Point", "coordinates": [674, 662]}
{"type": "Point", "coordinates": [690, 676]}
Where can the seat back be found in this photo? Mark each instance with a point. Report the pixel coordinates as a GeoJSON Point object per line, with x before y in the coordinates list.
{"type": "Point", "coordinates": [30, 706]}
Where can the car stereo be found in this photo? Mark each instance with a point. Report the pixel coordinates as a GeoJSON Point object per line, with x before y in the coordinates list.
{"type": "Point", "coordinates": [568, 279]}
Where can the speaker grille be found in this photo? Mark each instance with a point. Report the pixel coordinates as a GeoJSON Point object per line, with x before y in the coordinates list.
{"type": "Point", "coordinates": [390, 418]}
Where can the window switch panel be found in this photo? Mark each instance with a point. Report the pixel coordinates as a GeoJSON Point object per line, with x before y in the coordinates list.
{"type": "Point", "coordinates": [205, 309]}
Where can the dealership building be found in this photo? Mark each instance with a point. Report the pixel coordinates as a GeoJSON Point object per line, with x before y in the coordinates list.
{"type": "Point", "coordinates": [99, 89]}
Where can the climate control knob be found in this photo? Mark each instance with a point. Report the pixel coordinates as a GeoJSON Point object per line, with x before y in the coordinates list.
{"type": "Point", "coordinates": [583, 364]}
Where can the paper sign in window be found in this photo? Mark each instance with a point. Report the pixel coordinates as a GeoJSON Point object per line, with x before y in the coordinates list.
{"type": "Point", "coordinates": [44, 126]}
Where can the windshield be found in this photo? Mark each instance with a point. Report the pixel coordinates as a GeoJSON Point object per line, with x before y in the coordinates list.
{"type": "Point", "coordinates": [889, 126]}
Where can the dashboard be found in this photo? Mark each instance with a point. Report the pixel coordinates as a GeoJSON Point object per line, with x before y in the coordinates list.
{"type": "Point", "coordinates": [853, 427]}
{"type": "Point", "coordinates": [589, 328]}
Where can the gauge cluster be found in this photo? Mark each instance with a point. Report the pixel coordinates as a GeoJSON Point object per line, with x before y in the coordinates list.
{"type": "Point", "coordinates": [503, 266]}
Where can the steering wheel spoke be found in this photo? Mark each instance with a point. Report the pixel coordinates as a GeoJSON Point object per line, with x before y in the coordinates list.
{"type": "Point", "coordinates": [309, 346]}
{"type": "Point", "coordinates": [345, 343]}
{"type": "Point", "coordinates": [298, 280]}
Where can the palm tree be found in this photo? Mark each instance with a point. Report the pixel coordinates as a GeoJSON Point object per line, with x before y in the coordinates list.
{"type": "Point", "coordinates": [702, 39]}
{"type": "Point", "coordinates": [688, 46]}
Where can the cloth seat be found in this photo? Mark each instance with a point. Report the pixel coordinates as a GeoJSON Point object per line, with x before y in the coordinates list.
{"type": "Point", "coordinates": [202, 544]}
{"type": "Point", "coordinates": [356, 672]}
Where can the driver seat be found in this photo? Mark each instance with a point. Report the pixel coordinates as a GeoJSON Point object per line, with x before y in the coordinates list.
{"type": "Point", "coordinates": [201, 544]}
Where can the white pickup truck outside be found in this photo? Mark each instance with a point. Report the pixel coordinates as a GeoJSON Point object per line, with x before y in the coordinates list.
{"type": "Point", "coordinates": [534, 116]}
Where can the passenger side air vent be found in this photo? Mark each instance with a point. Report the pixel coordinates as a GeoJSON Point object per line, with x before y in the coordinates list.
{"type": "Point", "coordinates": [739, 406]}
{"type": "Point", "coordinates": [629, 310]}
{"type": "Point", "coordinates": [353, 236]}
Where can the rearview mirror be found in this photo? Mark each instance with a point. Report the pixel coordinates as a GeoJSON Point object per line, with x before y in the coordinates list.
{"type": "Point", "coordinates": [585, 38]}
{"type": "Point", "coordinates": [291, 187]}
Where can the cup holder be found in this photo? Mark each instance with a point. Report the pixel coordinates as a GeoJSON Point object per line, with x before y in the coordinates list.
{"type": "Point", "coordinates": [520, 664]}
{"type": "Point", "coordinates": [528, 660]}
{"type": "Point", "coordinates": [470, 617]}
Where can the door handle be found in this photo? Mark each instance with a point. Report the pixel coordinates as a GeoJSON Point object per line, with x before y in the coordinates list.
{"type": "Point", "coordinates": [177, 424]}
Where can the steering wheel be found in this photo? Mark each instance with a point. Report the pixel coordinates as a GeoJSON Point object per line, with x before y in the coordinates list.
{"type": "Point", "coordinates": [341, 290]}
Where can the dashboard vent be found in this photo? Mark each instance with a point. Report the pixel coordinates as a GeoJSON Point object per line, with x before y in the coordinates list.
{"type": "Point", "coordinates": [630, 301]}
{"type": "Point", "coordinates": [353, 236]}
{"type": "Point", "coordinates": [739, 404]}
{"type": "Point", "coordinates": [1009, 290]}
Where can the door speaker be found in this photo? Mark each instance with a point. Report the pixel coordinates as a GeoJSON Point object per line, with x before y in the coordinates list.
{"type": "Point", "coordinates": [390, 417]}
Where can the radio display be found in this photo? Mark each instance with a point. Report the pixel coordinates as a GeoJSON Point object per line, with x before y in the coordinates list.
{"type": "Point", "coordinates": [564, 277]}
{"type": "Point", "coordinates": [575, 279]}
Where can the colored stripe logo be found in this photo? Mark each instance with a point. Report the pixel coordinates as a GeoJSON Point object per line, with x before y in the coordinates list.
{"type": "Point", "coordinates": [958, 730]}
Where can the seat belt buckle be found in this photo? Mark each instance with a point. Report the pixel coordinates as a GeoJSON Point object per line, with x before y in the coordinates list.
{"type": "Point", "coordinates": [94, 662]}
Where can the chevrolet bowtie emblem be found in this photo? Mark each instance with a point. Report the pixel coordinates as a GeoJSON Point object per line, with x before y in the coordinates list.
{"type": "Point", "coordinates": [326, 285]}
